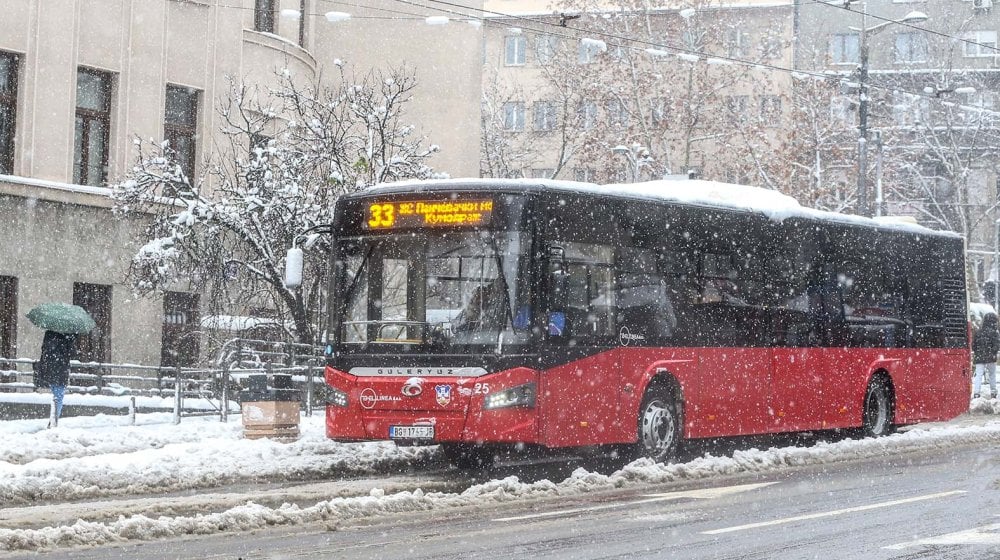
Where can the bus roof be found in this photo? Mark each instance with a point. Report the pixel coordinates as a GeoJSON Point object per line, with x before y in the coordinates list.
{"type": "Point", "coordinates": [694, 192]}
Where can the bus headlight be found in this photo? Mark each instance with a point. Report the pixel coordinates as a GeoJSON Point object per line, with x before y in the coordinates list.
{"type": "Point", "coordinates": [336, 397]}
{"type": "Point", "coordinates": [522, 395]}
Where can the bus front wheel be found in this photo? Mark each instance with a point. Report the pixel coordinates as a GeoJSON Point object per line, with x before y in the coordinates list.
{"type": "Point", "coordinates": [659, 426]}
{"type": "Point", "coordinates": [876, 420]}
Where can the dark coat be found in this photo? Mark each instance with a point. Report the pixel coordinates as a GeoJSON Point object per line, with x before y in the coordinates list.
{"type": "Point", "coordinates": [53, 366]}
{"type": "Point", "coordinates": [986, 343]}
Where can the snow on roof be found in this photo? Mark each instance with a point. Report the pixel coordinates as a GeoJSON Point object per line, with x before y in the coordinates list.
{"type": "Point", "coordinates": [771, 203]}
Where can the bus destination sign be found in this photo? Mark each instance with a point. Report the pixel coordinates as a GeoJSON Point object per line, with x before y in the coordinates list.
{"type": "Point", "coordinates": [429, 213]}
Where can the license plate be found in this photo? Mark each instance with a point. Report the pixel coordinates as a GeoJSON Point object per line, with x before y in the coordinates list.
{"type": "Point", "coordinates": [411, 432]}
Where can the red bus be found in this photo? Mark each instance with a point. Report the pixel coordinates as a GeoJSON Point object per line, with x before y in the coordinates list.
{"type": "Point", "coordinates": [476, 314]}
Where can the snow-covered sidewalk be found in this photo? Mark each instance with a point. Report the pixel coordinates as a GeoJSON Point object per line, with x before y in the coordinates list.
{"type": "Point", "coordinates": [89, 458]}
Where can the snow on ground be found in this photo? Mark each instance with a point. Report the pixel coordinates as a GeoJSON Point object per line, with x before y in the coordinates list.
{"type": "Point", "coordinates": [101, 456]}
{"type": "Point", "coordinates": [88, 457]}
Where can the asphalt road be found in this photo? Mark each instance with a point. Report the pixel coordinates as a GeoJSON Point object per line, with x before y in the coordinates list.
{"type": "Point", "coordinates": [939, 504]}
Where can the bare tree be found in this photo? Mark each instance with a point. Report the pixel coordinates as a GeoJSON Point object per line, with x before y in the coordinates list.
{"type": "Point", "coordinates": [282, 157]}
{"type": "Point", "coordinates": [637, 75]}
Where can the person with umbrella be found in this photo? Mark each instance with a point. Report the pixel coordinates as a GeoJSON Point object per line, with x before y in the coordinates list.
{"type": "Point", "coordinates": [62, 323]}
{"type": "Point", "coordinates": [53, 368]}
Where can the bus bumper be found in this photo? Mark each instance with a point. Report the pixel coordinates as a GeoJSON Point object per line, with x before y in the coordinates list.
{"type": "Point", "coordinates": [495, 408]}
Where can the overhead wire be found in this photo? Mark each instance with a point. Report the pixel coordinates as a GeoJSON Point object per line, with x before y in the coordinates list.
{"type": "Point", "coordinates": [795, 73]}
{"type": "Point", "coordinates": [546, 24]}
{"type": "Point", "coordinates": [840, 6]}
{"type": "Point", "coordinates": [757, 64]}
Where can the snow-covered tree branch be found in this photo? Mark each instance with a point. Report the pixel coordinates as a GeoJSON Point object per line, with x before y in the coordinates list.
{"type": "Point", "coordinates": [281, 158]}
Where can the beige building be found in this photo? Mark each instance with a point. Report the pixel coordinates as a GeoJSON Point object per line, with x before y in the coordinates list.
{"type": "Point", "coordinates": [80, 79]}
{"type": "Point", "coordinates": [934, 91]}
{"type": "Point", "coordinates": [611, 95]}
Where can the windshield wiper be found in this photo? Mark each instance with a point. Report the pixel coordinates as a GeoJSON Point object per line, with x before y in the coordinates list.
{"type": "Point", "coordinates": [349, 294]}
{"type": "Point", "coordinates": [508, 315]}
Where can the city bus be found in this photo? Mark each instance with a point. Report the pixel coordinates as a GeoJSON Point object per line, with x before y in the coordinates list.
{"type": "Point", "coordinates": [483, 314]}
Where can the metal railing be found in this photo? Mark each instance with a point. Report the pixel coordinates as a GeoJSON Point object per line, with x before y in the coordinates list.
{"type": "Point", "coordinates": [236, 361]}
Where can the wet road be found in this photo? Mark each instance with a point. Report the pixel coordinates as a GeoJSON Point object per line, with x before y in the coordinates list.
{"type": "Point", "coordinates": [943, 503]}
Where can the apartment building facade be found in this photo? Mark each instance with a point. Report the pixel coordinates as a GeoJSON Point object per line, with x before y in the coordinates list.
{"type": "Point", "coordinates": [606, 93]}
{"type": "Point", "coordinates": [80, 80]}
{"type": "Point", "coordinates": [933, 87]}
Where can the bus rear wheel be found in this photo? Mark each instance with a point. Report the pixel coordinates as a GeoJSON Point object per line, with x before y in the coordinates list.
{"type": "Point", "coordinates": [876, 420]}
{"type": "Point", "coordinates": [468, 456]}
{"type": "Point", "coordinates": [659, 426]}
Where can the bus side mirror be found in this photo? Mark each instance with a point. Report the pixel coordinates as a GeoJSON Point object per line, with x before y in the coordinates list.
{"type": "Point", "coordinates": [293, 268]}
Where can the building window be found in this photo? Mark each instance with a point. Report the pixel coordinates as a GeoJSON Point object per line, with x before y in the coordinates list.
{"type": "Point", "coordinates": [583, 174]}
{"type": "Point", "coordinates": [841, 108]}
{"type": "Point", "coordinates": [907, 111]}
{"type": "Point", "coordinates": [513, 116]}
{"type": "Point", "coordinates": [93, 122]}
{"type": "Point", "coordinates": [588, 114]}
{"type": "Point", "coordinates": [982, 99]}
{"type": "Point", "coordinates": [588, 51]}
{"type": "Point", "coordinates": [94, 346]}
{"type": "Point", "coordinates": [180, 125]}
{"type": "Point", "coordinates": [617, 113]}
{"type": "Point", "coordinates": [979, 43]}
{"type": "Point", "coordinates": [179, 342]}
{"type": "Point", "coordinates": [263, 16]}
{"type": "Point", "coordinates": [545, 48]}
{"type": "Point", "coordinates": [770, 109]}
{"type": "Point", "coordinates": [545, 115]}
{"type": "Point", "coordinates": [8, 316]}
{"type": "Point", "coordinates": [514, 50]}
{"type": "Point", "coordinates": [737, 106]}
{"type": "Point", "coordinates": [911, 47]}
{"type": "Point", "coordinates": [771, 47]}
{"type": "Point", "coordinates": [737, 43]}
{"type": "Point", "coordinates": [844, 48]}
{"type": "Point", "coordinates": [658, 110]}
{"type": "Point", "coordinates": [8, 110]}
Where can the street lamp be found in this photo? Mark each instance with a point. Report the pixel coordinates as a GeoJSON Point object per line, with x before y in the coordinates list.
{"type": "Point", "coordinates": [637, 157]}
{"type": "Point", "coordinates": [864, 32]}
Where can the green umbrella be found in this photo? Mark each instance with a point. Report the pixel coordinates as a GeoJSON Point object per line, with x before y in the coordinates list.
{"type": "Point", "coordinates": [62, 318]}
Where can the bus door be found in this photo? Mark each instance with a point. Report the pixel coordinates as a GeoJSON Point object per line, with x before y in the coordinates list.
{"type": "Point", "coordinates": [730, 396]}
{"type": "Point", "coordinates": [802, 306]}
{"type": "Point", "coordinates": [579, 396]}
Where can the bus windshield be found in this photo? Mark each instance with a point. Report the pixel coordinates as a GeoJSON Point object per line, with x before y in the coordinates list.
{"type": "Point", "coordinates": [437, 289]}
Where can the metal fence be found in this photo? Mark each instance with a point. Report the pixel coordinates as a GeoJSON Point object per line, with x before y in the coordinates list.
{"type": "Point", "coordinates": [218, 385]}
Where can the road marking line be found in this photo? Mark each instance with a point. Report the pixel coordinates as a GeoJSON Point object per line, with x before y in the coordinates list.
{"type": "Point", "coordinates": [978, 535]}
{"type": "Point", "coordinates": [833, 513]}
{"type": "Point", "coordinates": [702, 494]}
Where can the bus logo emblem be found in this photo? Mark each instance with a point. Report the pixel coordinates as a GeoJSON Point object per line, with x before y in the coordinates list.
{"type": "Point", "coordinates": [368, 398]}
{"type": "Point", "coordinates": [443, 394]}
{"type": "Point", "coordinates": [413, 387]}
{"type": "Point", "coordinates": [625, 337]}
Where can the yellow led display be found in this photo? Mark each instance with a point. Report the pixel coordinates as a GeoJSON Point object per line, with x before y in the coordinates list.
{"type": "Point", "coordinates": [429, 213]}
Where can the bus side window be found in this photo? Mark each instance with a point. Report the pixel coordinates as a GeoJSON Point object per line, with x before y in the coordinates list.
{"type": "Point", "coordinates": [644, 305]}
{"type": "Point", "coordinates": [590, 298]}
